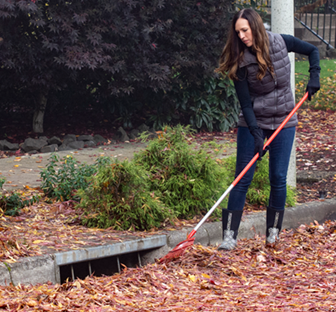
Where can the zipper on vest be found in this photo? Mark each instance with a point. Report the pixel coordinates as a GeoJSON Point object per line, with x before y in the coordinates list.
{"type": "Point", "coordinates": [275, 99]}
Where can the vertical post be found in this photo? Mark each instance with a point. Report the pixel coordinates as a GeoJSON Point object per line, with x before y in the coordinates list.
{"type": "Point", "coordinates": [139, 259]}
{"type": "Point", "coordinates": [282, 22]}
{"type": "Point", "coordinates": [90, 270]}
{"type": "Point", "coordinates": [118, 264]}
{"type": "Point", "coordinates": [72, 273]}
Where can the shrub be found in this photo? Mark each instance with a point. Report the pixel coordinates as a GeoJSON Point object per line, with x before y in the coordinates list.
{"type": "Point", "coordinates": [188, 179]}
{"type": "Point", "coordinates": [119, 197]}
{"type": "Point", "coordinates": [12, 204]}
{"type": "Point", "coordinates": [2, 182]}
{"type": "Point", "coordinates": [213, 106]}
{"type": "Point", "coordinates": [63, 177]}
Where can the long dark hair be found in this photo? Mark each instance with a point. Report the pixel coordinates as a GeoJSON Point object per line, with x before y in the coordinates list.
{"type": "Point", "coordinates": [234, 49]}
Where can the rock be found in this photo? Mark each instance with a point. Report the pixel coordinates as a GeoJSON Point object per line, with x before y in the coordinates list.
{"type": "Point", "coordinates": [143, 128]}
{"type": "Point", "coordinates": [76, 144]}
{"type": "Point", "coordinates": [49, 148]}
{"type": "Point", "coordinates": [68, 140]}
{"type": "Point", "coordinates": [64, 147]}
{"type": "Point", "coordinates": [322, 51]}
{"type": "Point", "coordinates": [33, 152]}
{"type": "Point", "coordinates": [72, 136]}
{"type": "Point", "coordinates": [98, 139]}
{"type": "Point", "coordinates": [54, 140]}
{"type": "Point", "coordinates": [33, 144]}
{"type": "Point", "coordinates": [7, 146]}
{"type": "Point", "coordinates": [331, 53]}
{"type": "Point", "coordinates": [85, 138]}
{"type": "Point", "coordinates": [135, 133]}
{"type": "Point", "coordinates": [89, 144]}
{"type": "Point", "coordinates": [123, 137]}
{"type": "Point", "coordinates": [132, 136]}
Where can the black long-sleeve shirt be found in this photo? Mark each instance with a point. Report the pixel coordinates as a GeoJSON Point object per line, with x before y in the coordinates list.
{"type": "Point", "coordinates": [293, 44]}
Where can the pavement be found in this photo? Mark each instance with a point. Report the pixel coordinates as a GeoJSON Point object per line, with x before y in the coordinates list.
{"type": "Point", "coordinates": [24, 171]}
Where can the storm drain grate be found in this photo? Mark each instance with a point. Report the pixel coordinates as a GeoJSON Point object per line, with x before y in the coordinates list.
{"type": "Point", "coordinates": [105, 259]}
{"type": "Point", "coordinates": [99, 267]}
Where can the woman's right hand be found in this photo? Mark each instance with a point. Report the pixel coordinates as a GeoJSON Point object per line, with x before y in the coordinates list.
{"type": "Point", "coordinates": [258, 135]}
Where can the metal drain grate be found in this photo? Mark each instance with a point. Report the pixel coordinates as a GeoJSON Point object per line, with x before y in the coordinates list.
{"type": "Point", "coordinates": [105, 259]}
{"type": "Point", "coordinates": [99, 267]}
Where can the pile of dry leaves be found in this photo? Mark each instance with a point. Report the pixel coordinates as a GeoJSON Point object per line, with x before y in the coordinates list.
{"type": "Point", "coordinates": [299, 274]}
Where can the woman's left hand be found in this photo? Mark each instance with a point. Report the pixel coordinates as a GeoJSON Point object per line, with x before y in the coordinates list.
{"type": "Point", "coordinates": [313, 84]}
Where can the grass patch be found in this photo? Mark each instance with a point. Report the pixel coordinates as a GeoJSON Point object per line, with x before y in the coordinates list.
{"type": "Point", "coordinates": [325, 99]}
{"type": "Point", "coordinates": [328, 69]}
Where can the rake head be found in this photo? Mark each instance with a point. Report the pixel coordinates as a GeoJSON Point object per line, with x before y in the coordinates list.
{"type": "Point", "coordinates": [178, 250]}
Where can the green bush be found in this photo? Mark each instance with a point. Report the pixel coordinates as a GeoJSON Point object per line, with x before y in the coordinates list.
{"type": "Point", "coordinates": [212, 106]}
{"type": "Point", "coordinates": [12, 204]}
{"type": "Point", "coordinates": [63, 177]}
{"type": "Point", "coordinates": [120, 197]}
{"type": "Point", "coordinates": [2, 182]}
{"type": "Point", "coordinates": [189, 180]}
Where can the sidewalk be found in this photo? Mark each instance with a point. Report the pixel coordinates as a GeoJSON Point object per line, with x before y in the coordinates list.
{"type": "Point", "coordinates": [25, 170]}
{"type": "Point", "coordinates": [143, 247]}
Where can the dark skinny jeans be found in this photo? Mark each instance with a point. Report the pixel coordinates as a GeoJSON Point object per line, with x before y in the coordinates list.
{"type": "Point", "coordinates": [279, 156]}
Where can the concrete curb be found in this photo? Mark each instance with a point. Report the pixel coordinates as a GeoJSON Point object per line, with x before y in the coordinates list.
{"type": "Point", "coordinates": [38, 270]}
{"type": "Point", "coordinates": [255, 223]}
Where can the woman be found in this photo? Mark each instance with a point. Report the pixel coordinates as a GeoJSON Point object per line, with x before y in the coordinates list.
{"type": "Point", "coordinates": [258, 63]}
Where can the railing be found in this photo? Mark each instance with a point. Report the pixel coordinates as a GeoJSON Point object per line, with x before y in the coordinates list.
{"type": "Point", "coordinates": [317, 16]}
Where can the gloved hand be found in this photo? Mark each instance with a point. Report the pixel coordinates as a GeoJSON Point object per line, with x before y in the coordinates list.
{"type": "Point", "coordinates": [313, 84]}
{"type": "Point", "coordinates": [258, 135]}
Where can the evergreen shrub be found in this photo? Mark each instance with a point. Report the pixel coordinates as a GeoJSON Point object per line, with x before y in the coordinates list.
{"type": "Point", "coordinates": [120, 197]}
{"type": "Point", "coordinates": [188, 178]}
{"type": "Point", "coordinates": [62, 177]}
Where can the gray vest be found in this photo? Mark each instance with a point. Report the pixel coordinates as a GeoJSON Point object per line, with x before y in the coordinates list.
{"type": "Point", "coordinates": [272, 98]}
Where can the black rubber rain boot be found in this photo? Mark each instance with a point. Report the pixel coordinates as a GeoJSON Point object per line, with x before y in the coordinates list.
{"type": "Point", "coordinates": [274, 219]}
{"type": "Point", "coordinates": [231, 221]}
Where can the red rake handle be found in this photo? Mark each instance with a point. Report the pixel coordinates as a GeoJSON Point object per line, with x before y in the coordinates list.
{"type": "Point", "coordinates": [248, 166]}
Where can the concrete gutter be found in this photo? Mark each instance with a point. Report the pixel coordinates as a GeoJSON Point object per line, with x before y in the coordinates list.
{"type": "Point", "coordinates": [35, 270]}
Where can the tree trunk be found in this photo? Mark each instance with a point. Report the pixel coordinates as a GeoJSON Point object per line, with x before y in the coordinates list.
{"type": "Point", "coordinates": [38, 117]}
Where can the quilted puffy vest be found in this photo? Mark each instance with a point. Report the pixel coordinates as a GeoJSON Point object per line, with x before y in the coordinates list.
{"type": "Point", "coordinates": [272, 97]}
